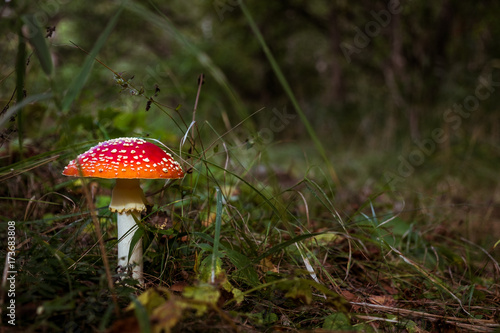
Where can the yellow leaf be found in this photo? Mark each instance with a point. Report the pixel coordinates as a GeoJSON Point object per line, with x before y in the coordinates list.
{"type": "Point", "coordinates": [324, 239]}
{"type": "Point", "coordinates": [267, 266]}
{"type": "Point", "coordinates": [298, 289]}
{"type": "Point", "coordinates": [150, 300]}
{"type": "Point", "coordinates": [166, 316]}
{"type": "Point", "coordinates": [208, 220]}
{"type": "Point", "coordinates": [204, 293]}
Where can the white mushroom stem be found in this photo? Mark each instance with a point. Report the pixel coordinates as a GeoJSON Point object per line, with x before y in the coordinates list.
{"type": "Point", "coordinates": [128, 201]}
{"type": "Point", "coordinates": [126, 230]}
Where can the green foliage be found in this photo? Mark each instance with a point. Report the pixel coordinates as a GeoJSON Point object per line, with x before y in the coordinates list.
{"type": "Point", "coordinates": [337, 321]}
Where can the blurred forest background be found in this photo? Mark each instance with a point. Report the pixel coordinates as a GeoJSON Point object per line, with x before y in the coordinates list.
{"type": "Point", "coordinates": [376, 80]}
{"type": "Point", "coordinates": [393, 97]}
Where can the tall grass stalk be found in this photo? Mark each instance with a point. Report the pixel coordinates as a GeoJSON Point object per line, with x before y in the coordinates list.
{"type": "Point", "coordinates": [218, 222]}
{"type": "Point", "coordinates": [284, 83]}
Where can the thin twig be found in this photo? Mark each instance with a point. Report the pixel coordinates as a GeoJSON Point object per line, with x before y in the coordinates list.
{"type": "Point", "coordinates": [495, 263]}
{"type": "Point", "coordinates": [201, 80]}
{"type": "Point", "coordinates": [429, 276]}
{"type": "Point", "coordinates": [486, 325]}
{"type": "Point", "coordinates": [102, 248]}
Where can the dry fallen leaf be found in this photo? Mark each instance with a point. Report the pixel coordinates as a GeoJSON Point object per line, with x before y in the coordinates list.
{"type": "Point", "coordinates": [382, 300]}
{"type": "Point", "coordinates": [209, 220]}
{"type": "Point", "coordinates": [266, 265]}
{"type": "Point", "coordinates": [125, 325]}
{"type": "Point", "coordinates": [349, 296]}
{"type": "Point", "coordinates": [179, 286]}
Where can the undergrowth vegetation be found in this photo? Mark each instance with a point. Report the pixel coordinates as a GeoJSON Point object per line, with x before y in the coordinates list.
{"type": "Point", "coordinates": [264, 233]}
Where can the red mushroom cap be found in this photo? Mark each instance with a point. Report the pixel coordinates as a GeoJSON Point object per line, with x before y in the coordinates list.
{"type": "Point", "coordinates": [128, 158]}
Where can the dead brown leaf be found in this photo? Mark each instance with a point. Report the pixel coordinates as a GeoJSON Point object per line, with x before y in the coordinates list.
{"type": "Point", "coordinates": [385, 300]}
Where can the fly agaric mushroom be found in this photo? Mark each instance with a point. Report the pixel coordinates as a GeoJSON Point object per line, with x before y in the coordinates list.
{"type": "Point", "coordinates": [127, 160]}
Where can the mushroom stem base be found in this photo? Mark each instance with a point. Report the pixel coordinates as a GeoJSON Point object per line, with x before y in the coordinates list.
{"type": "Point", "coordinates": [126, 230]}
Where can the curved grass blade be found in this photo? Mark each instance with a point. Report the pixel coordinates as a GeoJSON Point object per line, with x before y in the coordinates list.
{"type": "Point", "coordinates": [28, 100]}
{"type": "Point", "coordinates": [20, 77]}
{"type": "Point", "coordinates": [39, 43]}
{"type": "Point", "coordinates": [79, 81]}
{"type": "Point", "coordinates": [246, 269]}
{"type": "Point", "coordinates": [284, 83]}
{"type": "Point", "coordinates": [284, 245]}
{"type": "Point", "coordinates": [434, 279]}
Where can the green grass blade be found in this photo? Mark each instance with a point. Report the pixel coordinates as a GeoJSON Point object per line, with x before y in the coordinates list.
{"type": "Point", "coordinates": [246, 269]}
{"type": "Point", "coordinates": [284, 245]}
{"type": "Point", "coordinates": [142, 315]}
{"type": "Point", "coordinates": [288, 90]}
{"type": "Point", "coordinates": [138, 233]}
{"type": "Point", "coordinates": [39, 43]}
{"type": "Point", "coordinates": [20, 76]}
{"type": "Point", "coordinates": [218, 222]}
{"type": "Point", "coordinates": [244, 265]}
{"type": "Point", "coordinates": [79, 81]}
{"type": "Point", "coordinates": [15, 109]}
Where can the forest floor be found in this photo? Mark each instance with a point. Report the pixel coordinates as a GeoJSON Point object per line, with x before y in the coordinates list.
{"type": "Point", "coordinates": [297, 251]}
